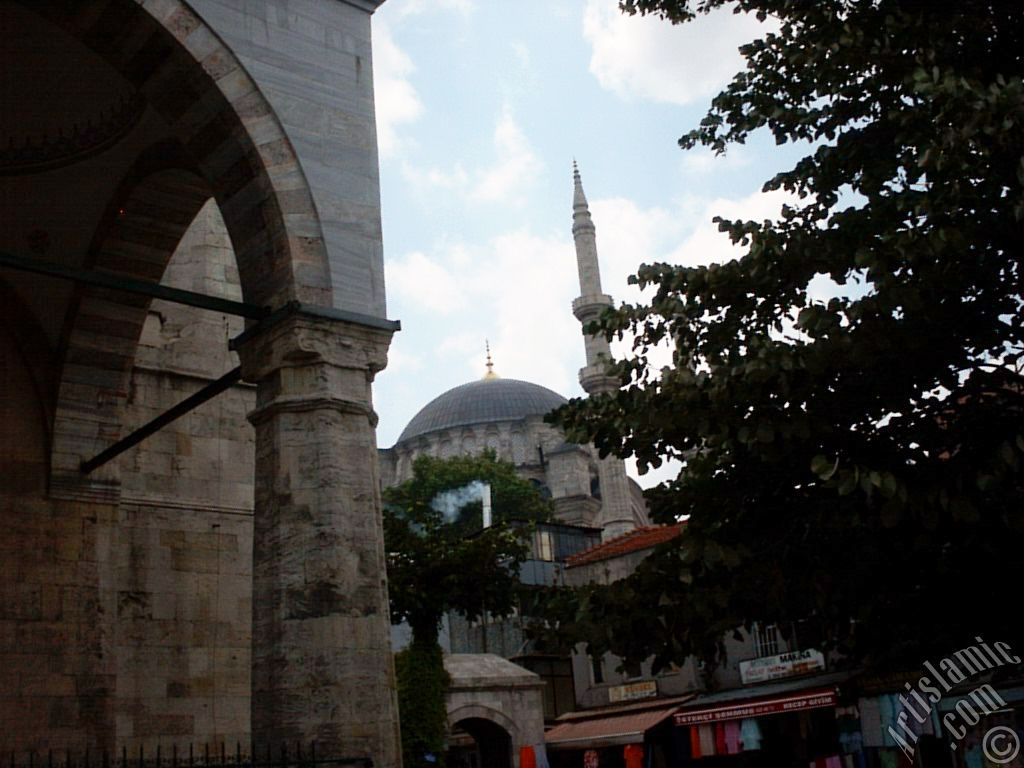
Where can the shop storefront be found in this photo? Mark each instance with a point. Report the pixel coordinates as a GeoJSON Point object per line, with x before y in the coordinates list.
{"type": "Point", "coordinates": [638, 735]}
{"type": "Point", "coordinates": [897, 729]}
{"type": "Point", "coordinates": [781, 725]}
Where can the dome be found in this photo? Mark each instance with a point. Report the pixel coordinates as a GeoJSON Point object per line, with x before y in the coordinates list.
{"type": "Point", "coordinates": [482, 402]}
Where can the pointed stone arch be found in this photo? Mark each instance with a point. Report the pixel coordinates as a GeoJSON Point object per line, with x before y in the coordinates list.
{"type": "Point", "coordinates": [223, 141]}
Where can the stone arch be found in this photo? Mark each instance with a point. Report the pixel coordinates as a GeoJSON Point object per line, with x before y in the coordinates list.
{"type": "Point", "coordinates": [144, 222]}
{"type": "Point", "coordinates": [482, 712]}
{"type": "Point", "coordinates": [223, 141]}
{"type": "Point", "coordinates": [222, 121]}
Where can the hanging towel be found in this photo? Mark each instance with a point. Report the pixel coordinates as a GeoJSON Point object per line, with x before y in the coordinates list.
{"type": "Point", "coordinates": [707, 740]}
{"type": "Point", "coordinates": [695, 742]}
{"type": "Point", "coordinates": [720, 746]}
{"type": "Point", "coordinates": [540, 752]}
{"type": "Point", "coordinates": [871, 722]}
{"type": "Point", "coordinates": [833, 762]}
{"type": "Point", "coordinates": [634, 755]}
{"type": "Point", "coordinates": [732, 737]}
{"type": "Point", "coordinates": [750, 734]}
{"type": "Point", "coordinates": [526, 758]}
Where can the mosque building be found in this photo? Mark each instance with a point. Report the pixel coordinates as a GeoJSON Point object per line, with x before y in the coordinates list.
{"type": "Point", "coordinates": [507, 416]}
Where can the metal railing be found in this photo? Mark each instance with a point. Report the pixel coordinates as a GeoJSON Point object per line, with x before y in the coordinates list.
{"type": "Point", "coordinates": [217, 756]}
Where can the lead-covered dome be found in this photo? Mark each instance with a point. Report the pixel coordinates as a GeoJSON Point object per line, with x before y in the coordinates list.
{"type": "Point", "coordinates": [482, 402]}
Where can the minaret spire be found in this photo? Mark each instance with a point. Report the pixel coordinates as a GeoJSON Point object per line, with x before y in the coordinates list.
{"type": "Point", "coordinates": [585, 235]}
{"type": "Point", "coordinates": [592, 300]}
{"type": "Point", "coordinates": [616, 503]}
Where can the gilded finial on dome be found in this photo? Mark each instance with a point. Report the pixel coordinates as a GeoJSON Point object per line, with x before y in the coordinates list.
{"type": "Point", "coordinates": [490, 364]}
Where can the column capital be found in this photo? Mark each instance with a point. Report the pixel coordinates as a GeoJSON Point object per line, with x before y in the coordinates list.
{"type": "Point", "coordinates": [309, 363]}
{"type": "Point", "coordinates": [299, 340]}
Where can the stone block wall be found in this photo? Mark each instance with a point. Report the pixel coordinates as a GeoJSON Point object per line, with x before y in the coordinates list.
{"type": "Point", "coordinates": [181, 549]}
{"type": "Point", "coordinates": [56, 684]}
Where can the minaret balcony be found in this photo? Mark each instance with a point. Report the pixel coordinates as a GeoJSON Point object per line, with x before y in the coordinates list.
{"type": "Point", "coordinates": [596, 380]}
{"type": "Point", "coordinates": [588, 308]}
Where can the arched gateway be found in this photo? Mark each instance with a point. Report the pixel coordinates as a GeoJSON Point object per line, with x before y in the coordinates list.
{"type": "Point", "coordinates": [121, 121]}
{"type": "Point", "coordinates": [496, 705]}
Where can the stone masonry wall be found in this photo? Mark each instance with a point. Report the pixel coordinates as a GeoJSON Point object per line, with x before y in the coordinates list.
{"type": "Point", "coordinates": [55, 681]}
{"type": "Point", "coordinates": [182, 543]}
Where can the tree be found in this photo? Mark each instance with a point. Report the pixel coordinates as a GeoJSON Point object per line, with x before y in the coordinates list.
{"type": "Point", "coordinates": [854, 460]}
{"type": "Point", "coordinates": [441, 559]}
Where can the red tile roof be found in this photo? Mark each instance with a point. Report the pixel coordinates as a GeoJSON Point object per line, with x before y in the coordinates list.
{"type": "Point", "coordinates": [633, 541]}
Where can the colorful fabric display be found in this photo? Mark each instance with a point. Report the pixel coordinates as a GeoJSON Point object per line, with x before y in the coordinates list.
{"type": "Point", "coordinates": [633, 755]}
{"type": "Point", "coordinates": [720, 746]}
{"type": "Point", "coordinates": [732, 737]}
{"type": "Point", "coordinates": [527, 759]}
{"type": "Point", "coordinates": [870, 722]}
{"type": "Point", "coordinates": [540, 753]}
{"type": "Point", "coordinates": [848, 726]}
{"type": "Point", "coordinates": [888, 708]}
{"type": "Point", "coordinates": [695, 742]}
{"type": "Point", "coordinates": [707, 740]}
{"type": "Point", "coordinates": [833, 762]}
{"type": "Point", "coordinates": [750, 734]}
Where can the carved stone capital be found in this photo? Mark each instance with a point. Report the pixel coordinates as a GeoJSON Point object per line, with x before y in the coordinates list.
{"type": "Point", "coordinates": [301, 340]}
{"type": "Point", "coordinates": [304, 363]}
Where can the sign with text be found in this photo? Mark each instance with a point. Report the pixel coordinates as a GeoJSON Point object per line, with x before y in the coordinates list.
{"type": "Point", "coordinates": [774, 706]}
{"type": "Point", "coordinates": [632, 691]}
{"type": "Point", "coordinates": [784, 665]}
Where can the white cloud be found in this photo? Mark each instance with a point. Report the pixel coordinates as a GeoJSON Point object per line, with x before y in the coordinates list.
{"type": "Point", "coordinates": [401, 361]}
{"type": "Point", "coordinates": [516, 166]}
{"type": "Point", "coordinates": [514, 290]}
{"type": "Point", "coordinates": [702, 161]}
{"type": "Point", "coordinates": [437, 178]}
{"type": "Point", "coordinates": [648, 58]}
{"type": "Point", "coordinates": [522, 53]}
{"type": "Point", "coordinates": [512, 170]}
{"type": "Point", "coordinates": [707, 244]}
{"type": "Point", "coordinates": [396, 100]}
{"type": "Point", "coordinates": [416, 7]}
{"type": "Point", "coordinates": [421, 280]}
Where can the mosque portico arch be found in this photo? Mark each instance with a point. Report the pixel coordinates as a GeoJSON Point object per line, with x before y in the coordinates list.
{"type": "Point", "coordinates": [122, 119]}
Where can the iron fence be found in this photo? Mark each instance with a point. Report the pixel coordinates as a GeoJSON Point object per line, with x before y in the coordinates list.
{"type": "Point", "coordinates": [207, 756]}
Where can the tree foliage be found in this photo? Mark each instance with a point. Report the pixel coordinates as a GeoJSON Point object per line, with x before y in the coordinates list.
{"type": "Point", "coordinates": [422, 681]}
{"type": "Point", "coordinates": [441, 559]}
{"type": "Point", "coordinates": [853, 457]}
{"type": "Point", "coordinates": [439, 563]}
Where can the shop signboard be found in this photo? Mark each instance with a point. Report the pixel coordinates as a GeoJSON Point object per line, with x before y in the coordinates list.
{"type": "Point", "coordinates": [784, 665]}
{"type": "Point", "coordinates": [632, 691]}
{"type": "Point", "coordinates": [776, 705]}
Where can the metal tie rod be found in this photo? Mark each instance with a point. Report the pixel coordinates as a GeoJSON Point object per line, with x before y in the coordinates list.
{"type": "Point", "coordinates": [99, 279]}
{"type": "Point", "coordinates": [208, 392]}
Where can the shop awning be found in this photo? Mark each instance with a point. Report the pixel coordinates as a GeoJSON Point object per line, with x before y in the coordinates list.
{"type": "Point", "coordinates": [610, 726]}
{"type": "Point", "coordinates": [759, 707]}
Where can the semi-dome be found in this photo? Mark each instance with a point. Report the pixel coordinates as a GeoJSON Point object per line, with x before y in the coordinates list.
{"type": "Point", "coordinates": [487, 401]}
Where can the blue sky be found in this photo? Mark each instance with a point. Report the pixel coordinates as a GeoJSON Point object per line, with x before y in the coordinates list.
{"type": "Point", "coordinates": [481, 107]}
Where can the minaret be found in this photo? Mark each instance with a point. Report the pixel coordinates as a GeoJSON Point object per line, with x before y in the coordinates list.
{"type": "Point", "coordinates": [616, 513]}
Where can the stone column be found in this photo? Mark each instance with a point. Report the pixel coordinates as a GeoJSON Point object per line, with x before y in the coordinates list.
{"type": "Point", "coordinates": [322, 668]}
